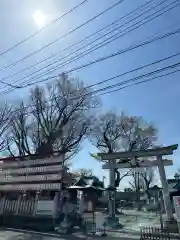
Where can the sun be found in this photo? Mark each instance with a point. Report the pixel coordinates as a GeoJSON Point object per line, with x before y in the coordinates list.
{"type": "Point", "coordinates": [39, 18]}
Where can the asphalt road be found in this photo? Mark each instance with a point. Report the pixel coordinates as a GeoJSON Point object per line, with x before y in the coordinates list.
{"type": "Point", "coordinates": [15, 235]}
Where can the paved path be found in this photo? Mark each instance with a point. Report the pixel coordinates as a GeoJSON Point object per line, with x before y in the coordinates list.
{"type": "Point", "coordinates": [12, 235]}
{"type": "Point", "coordinates": [31, 235]}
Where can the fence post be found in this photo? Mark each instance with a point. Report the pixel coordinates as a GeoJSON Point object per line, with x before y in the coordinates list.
{"type": "Point", "coordinates": [35, 203]}
{"type": "Point", "coordinates": [104, 230]}
{"type": "Point", "coordinates": [2, 202]}
{"type": "Point", "coordinates": [93, 224]}
{"type": "Point", "coordinates": [18, 205]}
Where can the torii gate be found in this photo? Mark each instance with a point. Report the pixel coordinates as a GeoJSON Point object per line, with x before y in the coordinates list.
{"type": "Point", "coordinates": [130, 160]}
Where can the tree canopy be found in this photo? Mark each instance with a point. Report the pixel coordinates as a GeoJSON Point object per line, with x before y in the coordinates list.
{"type": "Point", "coordinates": [58, 118]}
{"type": "Point", "coordinates": [111, 133]}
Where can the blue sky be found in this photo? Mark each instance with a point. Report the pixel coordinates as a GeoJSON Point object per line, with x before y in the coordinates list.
{"type": "Point", "coordinates": [156, 101]}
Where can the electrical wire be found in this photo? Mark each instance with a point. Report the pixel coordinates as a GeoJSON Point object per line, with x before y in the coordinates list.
{"type": "Point", "coordinates": [133, 80]}
{"type": "Point", "coordinates": [143, 81]}
{"type": "Point", "coordinates": [42, 29]}
{"type": "Point", "coordinates": [105, 42]}
{"type": "Point", "coordinates": [136, 27]}
{"type": "Point", "coordinates": [78, 42]}
{"type": "Point", "coordinates": [97, 46]}
{"type": "Point", "coordinates": [65, 35]}
{"type": "Point", "coordinates": [135, 46]}
{"type": "Point", "coordinates": [133, 70]}
{"type": "Point", "coordinates": [111, 55]}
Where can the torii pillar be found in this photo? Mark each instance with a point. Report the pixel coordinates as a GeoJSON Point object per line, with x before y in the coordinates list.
{"type": "Point", "coordinates": [133, 162]}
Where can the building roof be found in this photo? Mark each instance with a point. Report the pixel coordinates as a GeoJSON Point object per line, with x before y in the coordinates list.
{"type": "Point", "coordinates": [155, 187]}
{"type": "Point", "coordinates": [173, 180]}
{"type": "Point", "coordinates": [86, 187]}
{"type": "Point", "coordinates": [177, 186]}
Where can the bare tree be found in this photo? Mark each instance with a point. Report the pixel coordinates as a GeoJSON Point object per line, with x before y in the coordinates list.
{"type": "Point", "coordinates": [137, 133]}
{"type": "Point", "coordinates": [58, 119]}
{"type": "Point", "coordinates": [18, 132]}
{"type": "Point", "coordinates": [83, 172]}
{"type": "Point", "coordinates": [113, 133]}
{"type": "Point", "coordinates": [148, 175]}
{"type": "Point", "coordinates": [142, 179]}
{"type": "Point", "coordinates": [137, 184]}
{"type": "Point", "coordinates": [107, 132]}
{"type": "Point", "coordinates": [5, 118]}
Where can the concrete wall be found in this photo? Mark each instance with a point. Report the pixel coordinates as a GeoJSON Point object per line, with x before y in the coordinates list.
{"type": "Point", "coordinates": [127, 196]}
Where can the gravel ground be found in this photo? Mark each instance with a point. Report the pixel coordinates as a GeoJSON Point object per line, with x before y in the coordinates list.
{"type": "Point", "coordinates": [131, 219]}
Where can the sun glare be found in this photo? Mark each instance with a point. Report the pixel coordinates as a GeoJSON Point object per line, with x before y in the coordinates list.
{"type": "Point", "coordinates": [39, 18]}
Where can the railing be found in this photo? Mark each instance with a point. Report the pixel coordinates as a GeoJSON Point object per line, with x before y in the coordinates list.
{"type": "Point", "coordinates": [18, 207]}
{"type": "Point", "coordinates": [154, 233]}
{"type": "Point", "coordinates": [31, 207]}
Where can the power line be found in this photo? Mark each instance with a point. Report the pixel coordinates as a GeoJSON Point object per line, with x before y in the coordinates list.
{"type": "Point", "coordinates": [120, 35]}
{"type": "Point", "coordinates": [133, 70]}
{"type": "Point", "coordinates": [42, 29]}
{"type": "Point", "coordinates": [134, 80]}
{"type": "Point", "coordinates": [97, 46]}
{"type": "Point", "coordinates": [65, 35]}
{"type": "Point", "coordinates": [123, 51]}
{"type": "Point", "coordinates": [112, 55]}
{"type": "Point", "coordinates": [143, 81]}
{"type": "Point", "coordinates": [78, 42]}
{"type": "Point", "coordinates": [105, 42]}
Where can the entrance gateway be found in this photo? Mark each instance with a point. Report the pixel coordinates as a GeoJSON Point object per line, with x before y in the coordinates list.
{"type": "Point", "coordinates": [134, 159]}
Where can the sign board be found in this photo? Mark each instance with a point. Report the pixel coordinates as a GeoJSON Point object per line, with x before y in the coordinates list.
{"type": "Point", "coordinates": [31, 178]}
{"type": "Point", "coordinates": [28, 163]}
{"type": "Point", "coordinates": [26, 187]}
{"type": "Point", "coordinates": [26, 170]}
{"type": "Point", "coordinates": [176, 200]}
{"type": "Point", "coordinates": [44, 207]}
